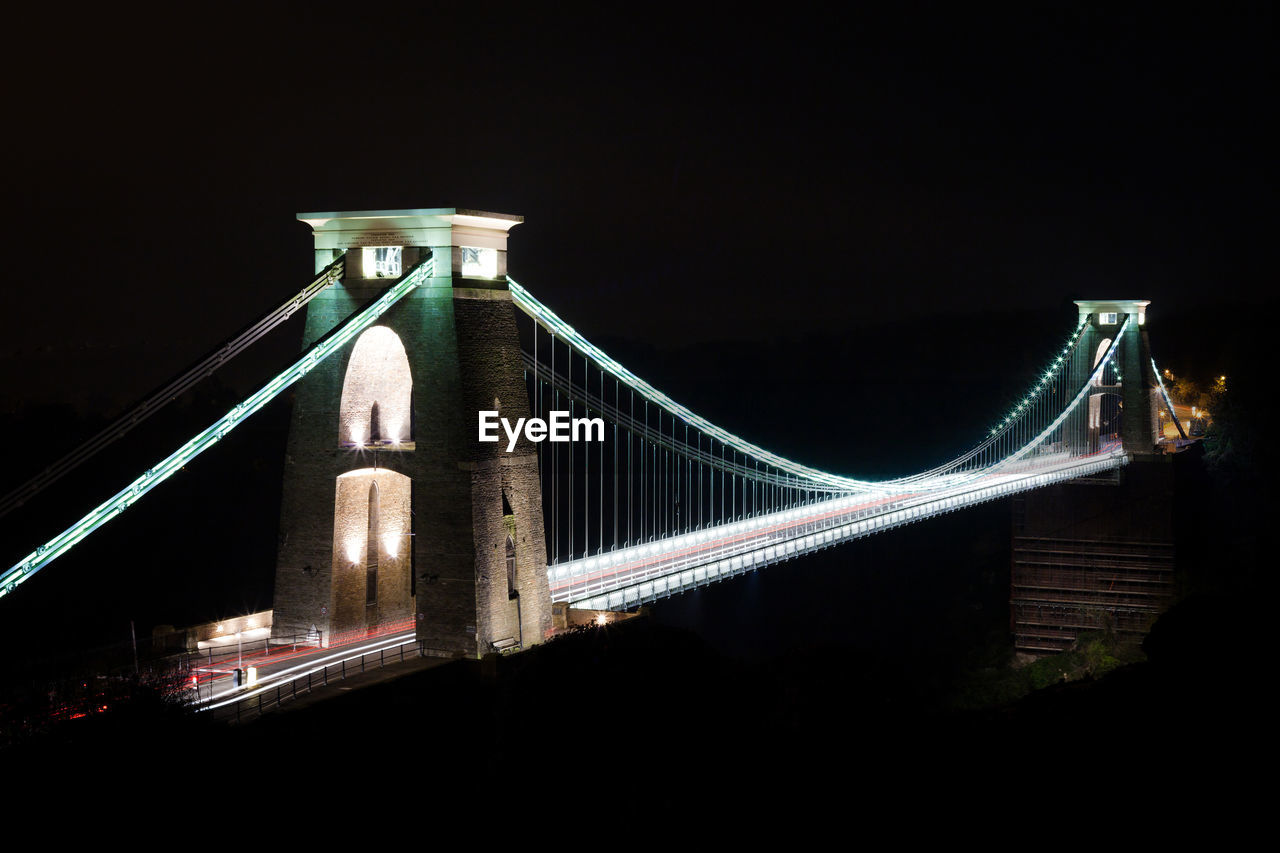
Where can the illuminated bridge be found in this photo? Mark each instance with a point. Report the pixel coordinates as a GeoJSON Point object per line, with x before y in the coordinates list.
{"type": "Point", "coordinates": [395, 513]}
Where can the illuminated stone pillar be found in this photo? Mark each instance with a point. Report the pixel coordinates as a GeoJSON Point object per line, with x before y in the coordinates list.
{"type": "Point", "coordinates": [399, 410]}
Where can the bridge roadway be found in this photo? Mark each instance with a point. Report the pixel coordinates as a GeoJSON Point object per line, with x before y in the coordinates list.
{"type": "Point", "coordinates": [280, 665]}
{"type": "Point", "coordinates": [630, 576]}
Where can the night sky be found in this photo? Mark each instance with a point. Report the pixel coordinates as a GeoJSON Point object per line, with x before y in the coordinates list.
{"type": "Point", "coordinates": [683, 178]}
{"type": "Point", "coordinates": [687, 180]}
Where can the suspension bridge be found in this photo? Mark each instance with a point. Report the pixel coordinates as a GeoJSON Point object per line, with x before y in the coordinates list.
{"type": "Point", "coordinates": [395, 514]}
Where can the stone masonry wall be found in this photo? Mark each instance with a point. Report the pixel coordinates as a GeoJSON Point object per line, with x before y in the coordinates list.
{"type": "Point", "coordinates": [493, 372]}
{"type": "Point", "coordinates": [463, 351]}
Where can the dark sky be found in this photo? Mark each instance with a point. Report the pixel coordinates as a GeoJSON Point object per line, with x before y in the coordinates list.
{"type": "Point", "coordinates": [683, 178]}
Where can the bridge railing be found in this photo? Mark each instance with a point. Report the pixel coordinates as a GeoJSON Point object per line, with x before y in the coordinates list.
{"type": "Point", "coordinates": [253, 701]}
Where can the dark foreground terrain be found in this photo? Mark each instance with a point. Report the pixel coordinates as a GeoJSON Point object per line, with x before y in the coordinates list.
{"type": "Point", "coordinates": [642, 716]}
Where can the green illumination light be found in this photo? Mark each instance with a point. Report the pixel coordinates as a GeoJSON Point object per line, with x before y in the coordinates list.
{"type": "Point", "coordinates": [559, 329]}
{"type": "Point", "coordinates": [562, 330]}
{"type": "Point", "coordinates": [156, 475]}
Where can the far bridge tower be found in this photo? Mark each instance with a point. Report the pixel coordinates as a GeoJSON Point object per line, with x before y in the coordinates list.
{"type": "Point", "coordinates": [1138, 394]}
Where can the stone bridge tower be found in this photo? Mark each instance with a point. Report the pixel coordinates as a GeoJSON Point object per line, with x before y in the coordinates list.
{"type": "Point", "coordinates": [1139, 394]}
{"type": "Point", "coordinates": [393, 513]}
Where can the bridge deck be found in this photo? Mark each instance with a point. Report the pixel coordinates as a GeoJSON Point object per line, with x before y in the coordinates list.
{"type": "Point", "coordinates": [630, 576]}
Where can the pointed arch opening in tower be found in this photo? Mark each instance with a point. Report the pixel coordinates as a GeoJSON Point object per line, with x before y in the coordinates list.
{"type": "Point", "coordinates": [372, 550]}
{"type": "Point", "coordinates": [377, 394]}
{"type": "Point", "coordinates": [511, 568]}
